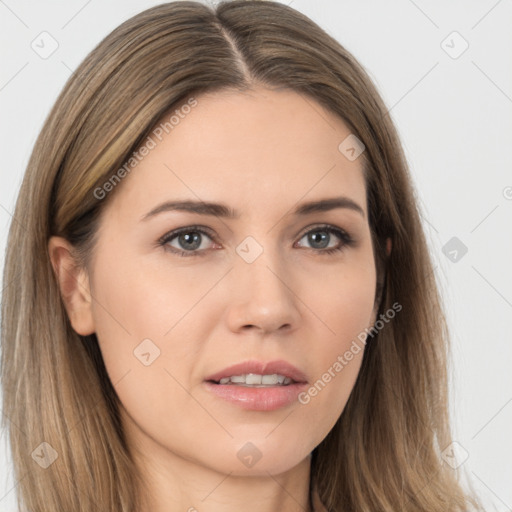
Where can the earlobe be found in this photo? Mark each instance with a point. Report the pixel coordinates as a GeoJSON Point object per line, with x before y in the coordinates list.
{"type": "Point", "coordinates": [74, 285]}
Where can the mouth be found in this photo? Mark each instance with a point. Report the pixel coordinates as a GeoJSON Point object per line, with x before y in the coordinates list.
{"type": "Point", "coordinates": [255, 380]}
{"type": "Point", "coordinates": [257, 385]}
{"type": "Point", "coordinates": [259, 374]}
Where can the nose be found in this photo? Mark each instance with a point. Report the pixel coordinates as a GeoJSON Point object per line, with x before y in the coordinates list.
{"type": "Point", "coordinates": [262, 296]}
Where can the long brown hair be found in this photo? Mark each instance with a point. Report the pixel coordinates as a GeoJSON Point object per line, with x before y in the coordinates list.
{"type": "Point", "coordinates": [384, 453]}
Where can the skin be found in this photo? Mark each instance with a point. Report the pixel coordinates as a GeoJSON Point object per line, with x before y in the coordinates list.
{"type": "Point", "coordinates": [260, 153]}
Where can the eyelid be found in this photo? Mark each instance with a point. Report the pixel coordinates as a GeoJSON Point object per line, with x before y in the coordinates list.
{"type": "Point", "coordinates": [185, 229]}
{"type": "Point", "coordinates": [319, 226]}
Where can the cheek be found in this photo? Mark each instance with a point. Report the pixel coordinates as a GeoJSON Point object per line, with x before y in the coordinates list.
{"type": "Point", "coordinates": [140, 307]}
{"type": "Point", "coordinates": [345, 313]}
{"type": "Point", "coordinates": [150, 321]}
{"type": "Point", "coordinates": [141, 296]}
{"type": "Point", "coordinates": [345, 303]}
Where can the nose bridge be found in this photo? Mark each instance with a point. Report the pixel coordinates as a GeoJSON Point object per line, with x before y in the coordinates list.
{"type": "Point", "coordinates": [264, 296]}
{"type": "Point", "coordinates": [262, 264]}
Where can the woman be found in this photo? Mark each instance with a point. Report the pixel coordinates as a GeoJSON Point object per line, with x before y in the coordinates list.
{"type": "Point", "coordinates": [224, 295]}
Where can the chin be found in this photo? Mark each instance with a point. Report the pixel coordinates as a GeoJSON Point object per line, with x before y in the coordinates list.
{"type": "Point", "coordinates": [258, 457]}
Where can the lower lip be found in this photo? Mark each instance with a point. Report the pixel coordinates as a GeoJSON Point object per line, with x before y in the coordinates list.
{"type": "Point", "coordinates": [257, 399]}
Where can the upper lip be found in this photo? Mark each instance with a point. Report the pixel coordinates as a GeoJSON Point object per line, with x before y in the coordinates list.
{"type": "Point", "coordinates": [279, 367]}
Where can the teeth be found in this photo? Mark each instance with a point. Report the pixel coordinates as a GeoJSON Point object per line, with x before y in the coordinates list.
{"type": "Point", "coordinates": [254, 379]}
{"type": "Point", "coordinates": [269, 379]}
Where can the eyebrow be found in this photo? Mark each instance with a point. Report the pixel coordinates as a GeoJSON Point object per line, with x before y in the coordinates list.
{"type": "Point", "coordinates": [221, 210]}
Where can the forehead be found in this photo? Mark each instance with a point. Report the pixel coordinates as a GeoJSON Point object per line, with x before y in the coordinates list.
{"type": "Point", "coordinates": [261, 151]}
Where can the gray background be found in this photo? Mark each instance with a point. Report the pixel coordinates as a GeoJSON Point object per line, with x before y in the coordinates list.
{"type": "Point", "coordinates": [453, 110]}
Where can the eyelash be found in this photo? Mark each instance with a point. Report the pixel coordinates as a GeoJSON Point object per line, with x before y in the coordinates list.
{"type": "Point", "coordinates": [346, 239]}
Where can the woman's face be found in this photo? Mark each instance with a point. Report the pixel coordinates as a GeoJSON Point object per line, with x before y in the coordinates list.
{"type": "Point", "coordinates": [268, 284]}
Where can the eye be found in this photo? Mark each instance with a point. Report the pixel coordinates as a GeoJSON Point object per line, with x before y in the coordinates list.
{"type": "Point", "coordinates": [189, 240]}
{"type": "Point", "coordinates": [321, 236]}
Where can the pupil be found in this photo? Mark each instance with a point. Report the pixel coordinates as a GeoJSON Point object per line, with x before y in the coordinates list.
{"type": "Point", "coordinates": [190, 241]}
{"type": "Point", "coordinates": [322, 239]}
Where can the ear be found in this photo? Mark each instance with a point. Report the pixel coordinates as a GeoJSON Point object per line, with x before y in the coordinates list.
{"type": "Point", "coordinates": [73, 284]}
